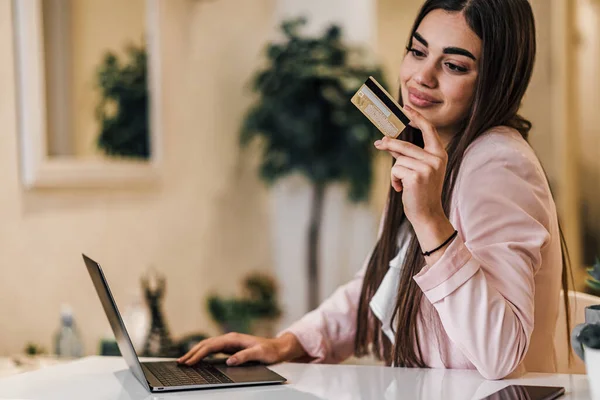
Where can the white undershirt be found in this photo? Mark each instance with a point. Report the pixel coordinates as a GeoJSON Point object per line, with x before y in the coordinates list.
{"type": "Point", "coordinates": [384, 301]}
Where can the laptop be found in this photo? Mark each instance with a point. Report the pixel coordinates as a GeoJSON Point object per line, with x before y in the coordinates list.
{"type": "Point", "coordinates": [167, 376]}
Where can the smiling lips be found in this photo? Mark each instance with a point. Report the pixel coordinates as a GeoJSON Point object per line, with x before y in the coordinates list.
{"type": "Point", "coordinates": [421, 99]}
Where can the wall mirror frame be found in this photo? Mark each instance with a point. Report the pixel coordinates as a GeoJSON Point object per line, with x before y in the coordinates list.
{"type": "Point", "coordinates": [38, 168]}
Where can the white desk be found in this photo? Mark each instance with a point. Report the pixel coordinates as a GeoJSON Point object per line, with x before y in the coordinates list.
{"type": "Point", "coordinates": [108, 378]}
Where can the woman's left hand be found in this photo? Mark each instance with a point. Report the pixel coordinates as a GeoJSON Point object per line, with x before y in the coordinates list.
{"type": "Point", "coordinates": [418, 173]}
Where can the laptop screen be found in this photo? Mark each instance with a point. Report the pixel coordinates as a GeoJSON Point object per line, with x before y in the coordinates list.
{"type": "Point", "coordinates": [115, 320]}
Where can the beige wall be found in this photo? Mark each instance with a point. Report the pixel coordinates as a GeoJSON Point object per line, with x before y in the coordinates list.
{"type": "Point", "coordinates": [203, 226]}
{"type": "Point", "coordinates": [537, 103]}
{"type": "Point", "coordinates": [589, 100]}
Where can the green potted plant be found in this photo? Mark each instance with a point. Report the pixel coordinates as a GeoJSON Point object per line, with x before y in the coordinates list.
{"type": "Point", "coordinates": [308, 124]}
{"type": "Point", "coordinates": [258, 304]}
{"type": "Point", "coordinates": [33, 349]}
{"type": "Point", "coordinates": [123, 108]}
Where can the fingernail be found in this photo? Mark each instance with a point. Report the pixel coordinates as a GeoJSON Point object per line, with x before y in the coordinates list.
{"type": "Point", "coordinates": [231, 361]}
{"type": "Point", "coordinates": [377, 142]}
{"type": "Point", "coordinates": [407, 107]}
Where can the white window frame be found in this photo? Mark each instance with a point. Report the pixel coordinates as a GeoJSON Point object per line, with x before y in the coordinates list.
{"type": "Point", "coordinates": [38, 169]}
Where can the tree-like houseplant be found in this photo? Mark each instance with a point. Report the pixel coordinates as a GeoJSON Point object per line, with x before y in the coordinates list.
{"type": "Point", "coordinates": [308, 124]}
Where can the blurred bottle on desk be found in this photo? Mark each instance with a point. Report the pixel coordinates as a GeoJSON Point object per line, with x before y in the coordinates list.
{"type": "Point", "coordinates": [67, 341]}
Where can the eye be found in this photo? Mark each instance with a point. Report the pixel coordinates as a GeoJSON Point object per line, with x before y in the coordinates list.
{"type": "Point", "coordinates": [415, 52]}
{"type": "Point", "coordinates": [456, 68]}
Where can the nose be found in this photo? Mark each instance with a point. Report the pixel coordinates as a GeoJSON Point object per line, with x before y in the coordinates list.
{"type": "Point", "coordinates": [427, 74]}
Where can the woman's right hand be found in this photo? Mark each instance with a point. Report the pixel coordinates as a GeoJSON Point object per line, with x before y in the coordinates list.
{"type": "Point", "coordinates": [246, 348]}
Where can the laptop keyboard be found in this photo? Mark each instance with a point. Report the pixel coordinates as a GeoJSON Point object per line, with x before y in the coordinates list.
{"type": "Point", "coordinates": [173, 374]}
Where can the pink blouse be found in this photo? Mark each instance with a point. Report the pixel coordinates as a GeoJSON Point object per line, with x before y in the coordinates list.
{"type": "Point", "coordinates": [494, 292]}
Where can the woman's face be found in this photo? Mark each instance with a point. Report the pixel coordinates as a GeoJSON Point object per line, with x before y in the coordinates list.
{"type": "Point", "coordinates": [438, 74]}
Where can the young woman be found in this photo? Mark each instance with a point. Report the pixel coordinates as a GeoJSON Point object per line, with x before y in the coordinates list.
{"type": "Point", "coordinates": [468, 267]}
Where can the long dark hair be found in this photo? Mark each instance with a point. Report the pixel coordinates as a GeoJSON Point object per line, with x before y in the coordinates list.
{"type": "Point", "coordinates": [507, 31]}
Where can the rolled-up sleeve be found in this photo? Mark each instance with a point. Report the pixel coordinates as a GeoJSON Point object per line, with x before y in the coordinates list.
{"type": "Point", "coordinates": [483, 285]}
{"type": "Point", "coordinates": [327, 333]}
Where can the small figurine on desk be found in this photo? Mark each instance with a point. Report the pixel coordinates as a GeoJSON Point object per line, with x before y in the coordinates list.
{"type": "Point", "coordinates": [158, 342]}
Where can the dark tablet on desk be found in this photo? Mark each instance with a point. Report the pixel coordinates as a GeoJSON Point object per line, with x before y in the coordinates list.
{"type": "Point", "coordinates": [520, 392]}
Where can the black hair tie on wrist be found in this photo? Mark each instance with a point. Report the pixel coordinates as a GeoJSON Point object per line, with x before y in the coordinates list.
{"type": "Point", "coordinates": [428, 253]}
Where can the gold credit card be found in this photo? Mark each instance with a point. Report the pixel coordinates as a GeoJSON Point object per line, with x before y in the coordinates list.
{"type": "Point", "coordinates": [381, 108]}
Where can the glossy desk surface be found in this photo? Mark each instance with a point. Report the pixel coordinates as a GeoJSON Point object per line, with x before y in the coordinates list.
{"type": "Point", "coordinates": [109, 378]}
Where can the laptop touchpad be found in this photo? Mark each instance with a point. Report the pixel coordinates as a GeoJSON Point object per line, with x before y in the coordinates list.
{"type": "Point", "coordinates": [258, 373]}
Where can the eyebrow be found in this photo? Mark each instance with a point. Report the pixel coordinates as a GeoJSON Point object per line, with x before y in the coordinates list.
{"type": "Point", "coordinates": [447, 50]}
